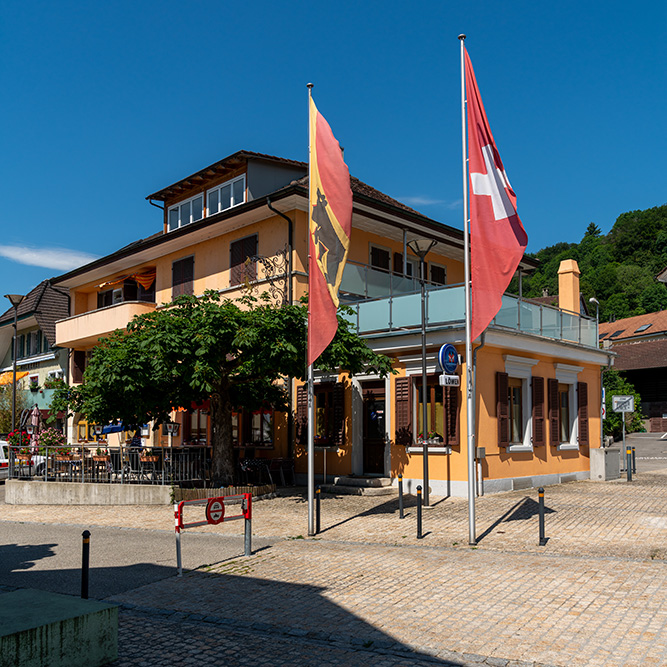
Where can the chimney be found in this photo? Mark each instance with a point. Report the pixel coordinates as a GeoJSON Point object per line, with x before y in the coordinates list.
{"type": "Point", "coordinates": [568, 286]}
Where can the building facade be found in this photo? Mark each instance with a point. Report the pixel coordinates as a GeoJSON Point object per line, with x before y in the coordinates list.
{"type": "Point", "coordinates": [243, 223]}
{"type": "Point", "coordinates": [40, 364]}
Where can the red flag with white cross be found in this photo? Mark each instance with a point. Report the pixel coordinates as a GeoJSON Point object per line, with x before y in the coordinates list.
{"type": "Point", "coordinates": [497, 237]}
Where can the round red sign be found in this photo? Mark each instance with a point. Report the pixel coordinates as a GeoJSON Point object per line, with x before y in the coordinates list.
{"type": "Point", "coordinates": [215, 510]}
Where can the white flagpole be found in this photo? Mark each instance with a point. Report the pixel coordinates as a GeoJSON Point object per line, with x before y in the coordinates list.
{"type": "Point", "coordinates": [311, 401]}
{"type": "Point", "coordinates": [472, 538]}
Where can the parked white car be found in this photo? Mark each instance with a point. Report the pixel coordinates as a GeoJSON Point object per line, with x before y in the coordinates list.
{"type": "Point", "coordinates": [4, 461]}
{"type": "Point", "coordinates": [36, 467]}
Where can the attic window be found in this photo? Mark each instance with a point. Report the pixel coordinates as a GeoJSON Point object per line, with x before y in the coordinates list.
{"type": "Point", "coordinates": [226, 195]}
{"type": "Point", "coordinates": [186, 212]}
{"type": "Point", "coordinates": [617, 333]}
{"type": "Point", "coordinates": [643, 327]}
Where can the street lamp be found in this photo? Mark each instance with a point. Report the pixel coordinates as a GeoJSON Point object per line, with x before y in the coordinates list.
{"type": "Point", "coordinates": [421, 247]}
{"type": "Point", "coordinates": [15, 300]}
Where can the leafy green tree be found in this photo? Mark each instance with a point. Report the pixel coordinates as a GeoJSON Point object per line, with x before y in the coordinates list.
{"type": "Point", "coordinates": [616, 385]}
{"type": "Point", "coordinates": [235, 353]}
{"type": "Point", "coordinates": [6, 403]}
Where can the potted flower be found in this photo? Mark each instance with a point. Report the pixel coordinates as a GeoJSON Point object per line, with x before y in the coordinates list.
{"type": "Point", "coordinates": [53, 383]}
{"type": "Point", "coordinates": [432, 438]}
{"type": "Point", "coordinates": [20, 439]}
{"type": "Point", "coordinates": [101, 455]}
{"type": "Point", "coordinates": [34, 384]}
{"type": "Point", "coordinates": [148, 456]}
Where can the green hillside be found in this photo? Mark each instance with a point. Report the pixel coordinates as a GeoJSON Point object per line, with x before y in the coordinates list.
{"type": "Point", "coordinates": [619, 269]}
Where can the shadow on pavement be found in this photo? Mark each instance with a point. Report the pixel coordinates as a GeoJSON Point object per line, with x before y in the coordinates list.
{"type": "Point", "coordinates": [526, 508]}
{"type": "Point", "coordinates": [276, 609]}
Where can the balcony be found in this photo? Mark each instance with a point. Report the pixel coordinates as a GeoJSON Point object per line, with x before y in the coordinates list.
{"type": "Point", "coordinates": [445, 307]}
{"type": "Point", "coordinates": [83, 331]}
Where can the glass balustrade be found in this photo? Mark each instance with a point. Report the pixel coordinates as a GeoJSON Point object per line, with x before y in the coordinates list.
{"type": "Point", "coordinates": [445, 306]}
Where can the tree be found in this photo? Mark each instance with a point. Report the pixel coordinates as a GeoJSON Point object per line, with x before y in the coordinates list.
{"type": "Point", "coordinates": [6, 403]}
{"type": "Point", "coordinates": [234, 353]}
{"type": "Point", "coordinates": [616, 385]}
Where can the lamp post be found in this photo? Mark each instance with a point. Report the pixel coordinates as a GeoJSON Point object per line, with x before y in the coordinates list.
{"type": "Point", "coordinates": [15, 300]}
{"type": "Point", "coordinates": [421, 248]}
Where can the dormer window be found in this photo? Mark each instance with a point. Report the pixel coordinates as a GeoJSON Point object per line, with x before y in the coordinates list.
{"type": "Point", "coordinates": [224, 196]}
{"type": "Point", "coordinates": [186, 212]}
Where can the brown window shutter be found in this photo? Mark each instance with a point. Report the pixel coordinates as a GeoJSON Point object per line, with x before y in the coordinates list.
{"type": "Point", "coordinates": [539, 435]}
{"type": "Point", "coordinates": [452, 412]}
{"type": "Point", "coordinates": [188, 275]}
{"type": "Point", "coordinates": [302, 414]}
{"type": "Point", "coordinates": [236, 262]}
{"type": "Point", "coordinates": [403, 398]}
{"type": "Point", "coordinates": [582, 412]}
{"type": "Point", "coordinates": [338, 413]}
{"type": "Point", "coordinates": [502, 409]}
{"type": "Point", "coordinates": [78, 365]}
{"type": "Point", "coordinates": [398, 262]}
{"type": "Point", "coordinates": [380, 258]}
{"type": "Point", "coordinates": [250, 250]}
{"type": "Point", "coordinates": [552, 389]}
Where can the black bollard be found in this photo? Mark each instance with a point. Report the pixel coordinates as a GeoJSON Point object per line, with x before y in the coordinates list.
{"type": "Point", "coordinates": [317, 510]}
{"type": "Point", "coordinates": [628, 463]}
{"type": "Point", "coordinates": [400, 497]}
{"type": "Point", "coordinates": [543, 539]}
{"type": "Point", "coordinates": [419, 512]}
{"type": "Point", "coordinates": [85, 563]}
{"type": "Point", "coordinates": [634, 462]}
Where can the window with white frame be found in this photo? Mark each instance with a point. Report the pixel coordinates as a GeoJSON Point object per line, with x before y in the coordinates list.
{"type": "Point", "coordinates": [224, 196]}
{"type": "Point", "coordinates": [185, 212]}
{"type": "Point", "coordinates": [519, 402]}
{"type": "Point", "coordinates": [563, 408]}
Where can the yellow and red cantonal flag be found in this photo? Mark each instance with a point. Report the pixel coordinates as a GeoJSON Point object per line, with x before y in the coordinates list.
{"type": "Point", "coordinates": [330, 221]}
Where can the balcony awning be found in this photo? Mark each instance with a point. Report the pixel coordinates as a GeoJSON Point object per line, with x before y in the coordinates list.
{"type": "Point", "coordinates": [8, 376]}
{"type": "Point", "coordinates": [112, 428]}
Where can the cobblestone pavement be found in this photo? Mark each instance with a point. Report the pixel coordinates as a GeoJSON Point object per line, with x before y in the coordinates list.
{"type": "Point", "coordinates": [626, 520]}
{"type": "Point", "coordinates": [560, 610]}
{"type": "Point", "coordinates": [366, 590]}
{"type": "Point", "coordinates": [183, 640]}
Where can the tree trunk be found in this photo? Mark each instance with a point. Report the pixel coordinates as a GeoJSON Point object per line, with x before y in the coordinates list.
{"type": "Point", "coordinates": [223, 472]}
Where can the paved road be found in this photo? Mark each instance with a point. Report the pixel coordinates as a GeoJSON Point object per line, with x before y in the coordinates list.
{"type": "Point", "coordinates": [650, 450]}
{"type": "Point", "coordinates": [48, 557]}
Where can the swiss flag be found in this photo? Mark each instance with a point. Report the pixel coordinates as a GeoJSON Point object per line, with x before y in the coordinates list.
{"type": "Point", "coordinates": [497, 237]}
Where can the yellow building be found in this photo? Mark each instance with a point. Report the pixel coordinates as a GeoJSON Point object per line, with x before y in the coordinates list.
{"type": "Point", "coordinates": [244, 220]}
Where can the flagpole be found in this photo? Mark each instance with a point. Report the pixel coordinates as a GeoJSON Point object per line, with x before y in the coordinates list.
{"type": "Point", "coordinates": [472, 538]}
{"type": "Point", "coordinates": [311, 388]}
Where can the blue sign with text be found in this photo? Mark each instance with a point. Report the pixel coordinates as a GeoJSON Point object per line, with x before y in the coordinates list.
{"type": "Point", "coordinates": [448, 358]}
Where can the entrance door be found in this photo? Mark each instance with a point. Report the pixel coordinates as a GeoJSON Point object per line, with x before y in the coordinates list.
{"type": "Point", "coordinates": [374, 427]}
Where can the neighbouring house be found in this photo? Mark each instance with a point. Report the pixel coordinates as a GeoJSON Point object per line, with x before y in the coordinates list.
{"type": "Point", "coordinates": [640, 344]}
{"type": "Point", "coordinates": [40, 364]}
{"type": "Point", "coordinates": [243, 220]}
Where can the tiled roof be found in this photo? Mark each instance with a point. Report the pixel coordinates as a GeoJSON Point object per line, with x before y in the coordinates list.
{"type": "Point", "coordinates": [627, 327]}
{"type": "Point", "coordinates": [47, 303]}
{"type": "Point", "coordinates": [641, 354]}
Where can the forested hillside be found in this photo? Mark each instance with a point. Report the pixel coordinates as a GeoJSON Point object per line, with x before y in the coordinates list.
{"type": "Point", "coordinates": [619, 269]}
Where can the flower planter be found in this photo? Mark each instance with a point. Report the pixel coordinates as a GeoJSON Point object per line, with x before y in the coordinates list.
{"type": "Point", "coordinates": [101, 458]}
{"type": "Point", "coordinates": [150, 459]}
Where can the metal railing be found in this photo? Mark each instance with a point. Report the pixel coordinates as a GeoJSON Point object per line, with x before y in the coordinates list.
{"type": "Point", "coordinates": [445, 306]}
{"type": "Point", "coordinates": [110, 465]}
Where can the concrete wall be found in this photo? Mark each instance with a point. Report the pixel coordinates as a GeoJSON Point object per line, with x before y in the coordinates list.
{"type": "Point", "coordinates": [18, 492]}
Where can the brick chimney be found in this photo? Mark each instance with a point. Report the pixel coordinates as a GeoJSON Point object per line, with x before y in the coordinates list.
{"type": "Point", "coordinates": [568, 286]}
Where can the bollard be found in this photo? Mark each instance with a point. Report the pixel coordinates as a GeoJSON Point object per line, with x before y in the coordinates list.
{"type": "Point", "coordinates": [85, 563]}
{"type": "Point", "coordinates": [634, 462]}
{"type": "Point", "coordinates": [628, 463]}
{"type": "Point", "coordinates": [419, 512]}
{"type": "Point", "coordinates": [400, 496]}
{"type": "Point", "coordinates": [543, 539]}
{"type": "Point", "coordinates": [247, 515]}
{"type": "Point", "coordinates": [317, 509]}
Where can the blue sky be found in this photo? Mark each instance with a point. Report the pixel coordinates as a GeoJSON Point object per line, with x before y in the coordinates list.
{"type": "Point", "coordinates": [104, 103]}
